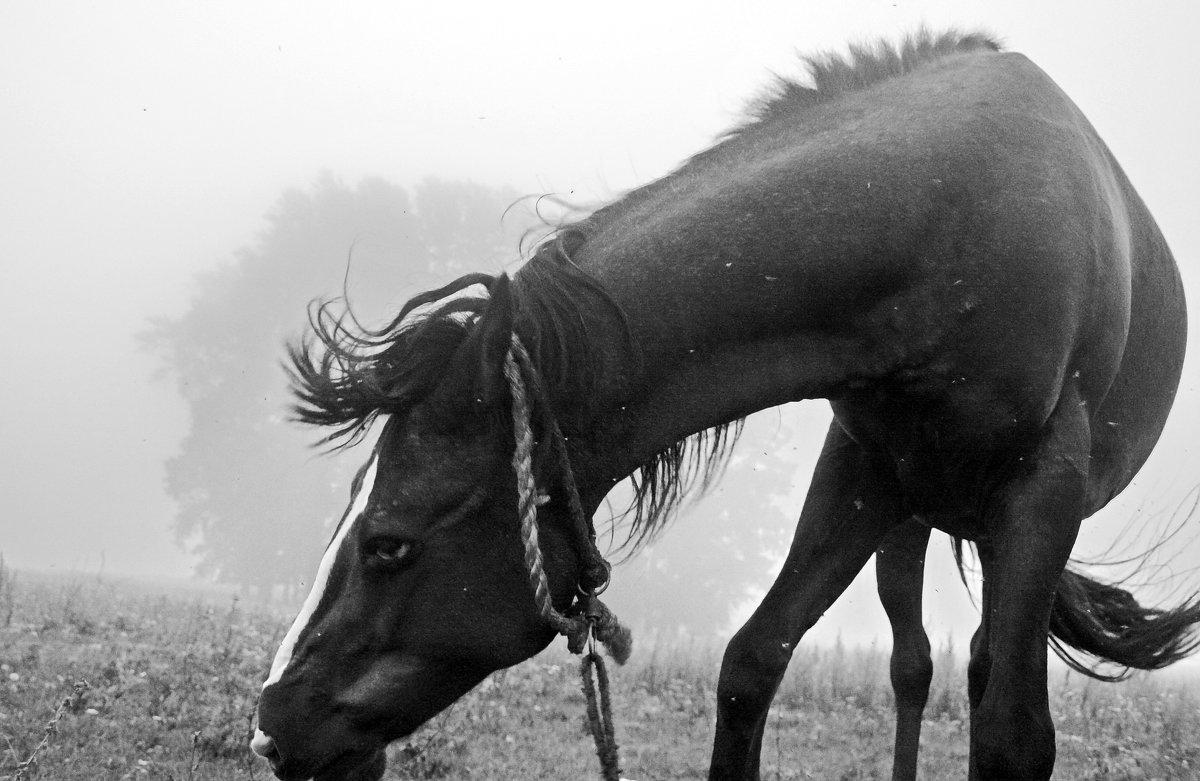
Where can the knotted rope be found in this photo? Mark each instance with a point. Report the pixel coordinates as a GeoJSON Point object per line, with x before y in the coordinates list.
{"type": "Point", "coordinates": [587, 614]}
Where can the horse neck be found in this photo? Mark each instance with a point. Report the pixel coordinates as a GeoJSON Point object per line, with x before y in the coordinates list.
{"type": "Point", "coordinates": [725, 322]}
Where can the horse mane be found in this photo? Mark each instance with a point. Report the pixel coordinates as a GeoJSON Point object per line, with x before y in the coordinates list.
{"type": "Point", "coordinates": [344, 375]}
{"type": "Point", "coordinates": [833, 75]}
{"type": "Point", "coordinates": [662, 484]}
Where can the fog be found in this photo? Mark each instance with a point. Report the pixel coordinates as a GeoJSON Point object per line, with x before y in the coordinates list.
{"type": "Point", "coordinates": [142, 144]}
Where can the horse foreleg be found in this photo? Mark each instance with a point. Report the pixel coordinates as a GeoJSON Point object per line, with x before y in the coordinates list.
{"type": "Point", "coordinates": [899, 575]}
{"type": "Point", "coordinates": [851, 505]}
{"type": "Point", "coordinates": [1032, 528]}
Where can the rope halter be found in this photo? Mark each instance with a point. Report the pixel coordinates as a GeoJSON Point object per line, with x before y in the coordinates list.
{"type": "Point", "coordinates": [587, 614]}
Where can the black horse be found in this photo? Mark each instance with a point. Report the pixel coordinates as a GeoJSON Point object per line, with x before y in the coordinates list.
{"type": "Point", "coordinates": [933, 238]}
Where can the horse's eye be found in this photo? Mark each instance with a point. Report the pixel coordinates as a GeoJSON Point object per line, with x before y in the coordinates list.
{"type": "Point", "coordinates": [387, 551]}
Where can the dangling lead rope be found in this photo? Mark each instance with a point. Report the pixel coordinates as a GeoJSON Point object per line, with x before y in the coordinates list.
{"type": "Point", "coordinates": [588, 615]}
{"type": "Point", "coordinates": [600, 715]}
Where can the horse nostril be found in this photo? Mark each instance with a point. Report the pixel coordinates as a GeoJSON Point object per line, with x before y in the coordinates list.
{"type": "Point", "coordinates": [262, 745]}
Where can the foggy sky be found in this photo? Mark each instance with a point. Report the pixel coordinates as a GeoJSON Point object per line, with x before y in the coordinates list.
{"type": "Point", "coordinates": [142, 142]}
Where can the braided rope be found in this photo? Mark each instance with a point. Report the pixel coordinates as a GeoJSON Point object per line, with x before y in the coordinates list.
{"type": "Point", "coordinates": [527, 493]}
{"type": "Point", "coordinates": [594, 618]}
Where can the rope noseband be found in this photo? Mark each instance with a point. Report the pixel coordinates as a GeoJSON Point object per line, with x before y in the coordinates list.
{"type": "Point", "coordinates": [586, 615]}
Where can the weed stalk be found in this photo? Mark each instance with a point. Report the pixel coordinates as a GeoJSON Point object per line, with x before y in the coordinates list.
{"type": "Point", "coordinates": [26, 768]}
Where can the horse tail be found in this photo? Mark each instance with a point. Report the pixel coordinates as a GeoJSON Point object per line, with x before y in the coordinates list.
{"type": "Point", "coordinates": [1105, 622]}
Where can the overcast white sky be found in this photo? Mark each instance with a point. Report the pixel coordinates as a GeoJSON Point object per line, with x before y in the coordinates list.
{"type": "Point", "coordinates": [141, 142]}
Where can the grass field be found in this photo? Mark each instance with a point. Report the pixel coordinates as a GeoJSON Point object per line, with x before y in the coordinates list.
{"type": "Point", "coordinates": [172, 680]}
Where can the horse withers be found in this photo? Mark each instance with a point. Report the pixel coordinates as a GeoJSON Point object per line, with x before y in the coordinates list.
{"type": "Point", "coordinates": [934, 239]}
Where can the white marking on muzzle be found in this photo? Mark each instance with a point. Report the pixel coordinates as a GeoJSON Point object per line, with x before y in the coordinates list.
{"type": "Point", "coordinates": [357, 505]}
{"type": "Point", "coordinates": [262, 744]}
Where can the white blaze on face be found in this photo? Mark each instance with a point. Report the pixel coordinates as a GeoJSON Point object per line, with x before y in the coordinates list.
{"type": "Point", "coordinates": [357, 505]}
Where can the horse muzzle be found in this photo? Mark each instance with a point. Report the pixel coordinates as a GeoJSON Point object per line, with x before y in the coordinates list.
{"type": "Point", "coordinates": [366, 765]}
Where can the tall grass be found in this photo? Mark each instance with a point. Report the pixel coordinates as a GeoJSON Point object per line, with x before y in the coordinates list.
{"type": "Point", "coordinates": [174, 682]}
{"type": "Point", "coordinates": [8, 599]}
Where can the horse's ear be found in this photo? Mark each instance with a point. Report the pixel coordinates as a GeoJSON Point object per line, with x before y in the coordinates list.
{"type": "Point", "coordinates": [475, 380]}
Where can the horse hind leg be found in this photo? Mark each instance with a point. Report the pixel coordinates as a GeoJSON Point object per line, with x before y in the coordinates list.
{"type": "Point", "coordinates": [980, 664]}
{"type": "Point", "coordinates": [899, 575]}
{"type": "Point", "coordinates": [1033, 524]}
{"type": "Point", "coordinates": [851, 505]}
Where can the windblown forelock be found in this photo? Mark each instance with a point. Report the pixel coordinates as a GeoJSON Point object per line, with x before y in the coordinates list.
{"type": "Point", "coordinates": [344, 376]}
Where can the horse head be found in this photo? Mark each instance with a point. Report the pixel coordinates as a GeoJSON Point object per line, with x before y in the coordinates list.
{"type": "Point", "coordinates": [425, 587]}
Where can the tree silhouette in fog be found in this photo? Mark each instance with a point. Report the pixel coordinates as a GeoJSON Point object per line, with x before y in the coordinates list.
{"type": "Point", "coordinates": [255, 501]}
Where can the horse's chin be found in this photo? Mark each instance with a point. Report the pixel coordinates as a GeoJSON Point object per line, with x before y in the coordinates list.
{"type": "Point", "coordinates": [355, 767]}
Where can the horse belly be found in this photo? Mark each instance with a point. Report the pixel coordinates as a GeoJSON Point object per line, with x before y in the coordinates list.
{"type": "Point", "coordinates": [948, 455]}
